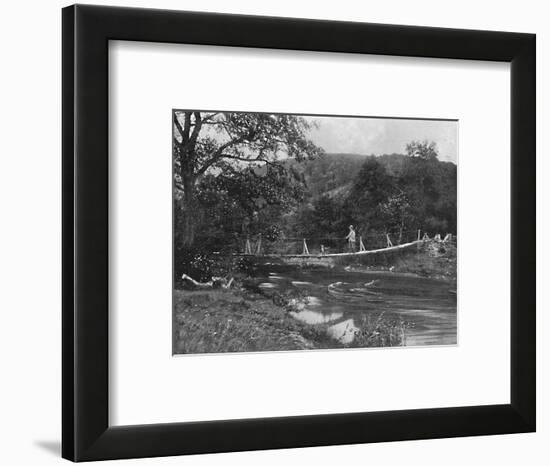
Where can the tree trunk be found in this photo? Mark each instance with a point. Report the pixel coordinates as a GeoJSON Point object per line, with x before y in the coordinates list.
{"type": "Point", "coordinates": [189, 210]}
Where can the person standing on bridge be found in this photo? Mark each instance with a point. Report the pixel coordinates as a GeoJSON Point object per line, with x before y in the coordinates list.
{"type": "Point", "coordinates": [351, 239]}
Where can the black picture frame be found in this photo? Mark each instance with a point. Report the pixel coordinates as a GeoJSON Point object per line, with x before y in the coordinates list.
{"type": "Point", "coordinates": [86, 434]}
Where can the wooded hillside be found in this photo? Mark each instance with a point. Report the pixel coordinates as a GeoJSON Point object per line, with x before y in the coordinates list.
{"type": "Point", "coordinates": [318, 199]}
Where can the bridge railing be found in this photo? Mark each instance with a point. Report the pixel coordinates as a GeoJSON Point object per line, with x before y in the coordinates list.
{"type": "Point", "coordinates": [258, 245]}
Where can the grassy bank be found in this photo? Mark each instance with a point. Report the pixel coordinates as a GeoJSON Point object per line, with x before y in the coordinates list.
{"type": "Point", "coordinates": [433, 259]}
{"type": "Point", "coordinates": [237, 320]}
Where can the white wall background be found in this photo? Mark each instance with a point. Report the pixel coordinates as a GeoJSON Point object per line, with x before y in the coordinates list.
{"type": "Point", "coordinates": [30, 197]}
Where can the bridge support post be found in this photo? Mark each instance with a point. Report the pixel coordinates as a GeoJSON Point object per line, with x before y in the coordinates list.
{"type": "Point", "coordinates": [247, 247]}
{"type": "Point", "coordinates": [259, 245]}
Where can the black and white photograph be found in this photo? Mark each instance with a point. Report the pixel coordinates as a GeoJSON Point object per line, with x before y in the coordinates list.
{"type": "Point", "coordinates": [303, 232]}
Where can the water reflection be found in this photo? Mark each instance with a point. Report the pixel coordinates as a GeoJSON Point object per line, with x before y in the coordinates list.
{"type": "Point", "coordinates": [316, 317]}
{"type": "Point", "coordinates": [344, 332]}
{"type": "Point", "coordinates": [345, 297]}
{"type": "Point", "coordinates": [266, 285]}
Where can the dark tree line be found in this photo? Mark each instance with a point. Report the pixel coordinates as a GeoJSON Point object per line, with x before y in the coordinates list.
{"type": "Point", "coordinates": [392, 194]}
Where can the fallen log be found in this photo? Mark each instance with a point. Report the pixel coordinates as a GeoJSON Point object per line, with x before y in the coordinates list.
{"type": "Point", "coordinates": [216, 282]}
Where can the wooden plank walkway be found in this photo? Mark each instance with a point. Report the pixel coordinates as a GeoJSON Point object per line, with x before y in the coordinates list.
{"type": "Point", "coordinates": [341, 254]}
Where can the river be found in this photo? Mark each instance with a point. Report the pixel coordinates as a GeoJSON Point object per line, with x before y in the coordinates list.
{"type": "Point", "coordinates": [340, 297]}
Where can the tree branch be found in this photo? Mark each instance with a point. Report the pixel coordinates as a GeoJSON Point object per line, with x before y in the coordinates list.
{"type": "Point", "coordinates": [257, 159]}
{"type": "Point", "coordinates": [207, 118]}
{"type": "Point", "coordinates": [196, 130]}
{"type": "Point", "coordinates": [178, 125]}
{"type": "Point", "coordinates": [187, 127]}
{"type": "Point", "coordinates": [218, 154]}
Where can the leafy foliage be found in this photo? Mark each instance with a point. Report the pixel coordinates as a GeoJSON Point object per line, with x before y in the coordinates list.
{"type": "Point", "coordinates": [424, 150]}
{"type": "Point", "coordinates": [396, 194]}
{"type": "Point", "coordinates": [223, 142]}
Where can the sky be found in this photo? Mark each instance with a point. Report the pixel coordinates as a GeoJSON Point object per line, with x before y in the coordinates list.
{"type": "Point", "coordinates": [383, 135]}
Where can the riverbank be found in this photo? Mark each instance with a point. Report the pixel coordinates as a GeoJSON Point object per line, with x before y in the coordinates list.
{"type": "Point", "coordinates": [432, 259]}
{"type": "Point", "coordinates": [239, 320]}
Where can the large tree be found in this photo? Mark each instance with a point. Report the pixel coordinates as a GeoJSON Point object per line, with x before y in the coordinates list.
{"type": "Point", "coordinates": [223, 141]}
{"type": "Point", "coordinates": [371, 188]}
{"type": "Point", "coordinates": [424, 150]}
{"type": "Point", "coordinates": [396, 212]}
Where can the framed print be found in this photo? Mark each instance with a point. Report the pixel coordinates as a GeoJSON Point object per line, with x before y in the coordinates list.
{"type": "Point", "coordinates": [275, 227]}
{"type": "Point", "coordinates": [283, 233]}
